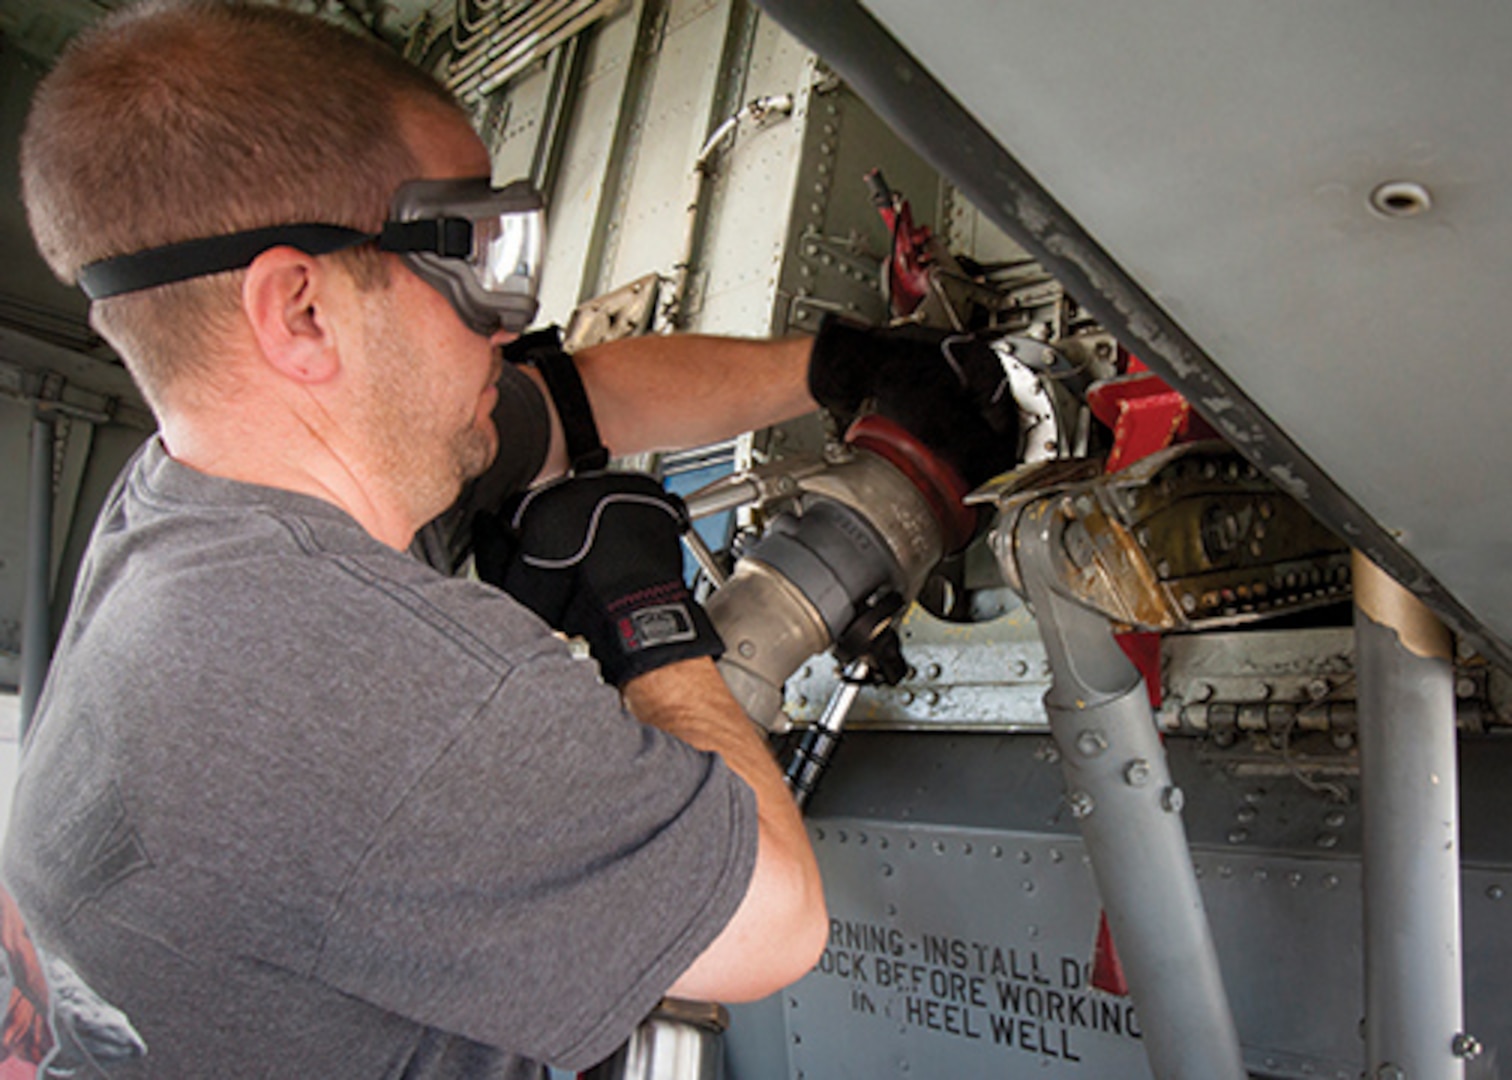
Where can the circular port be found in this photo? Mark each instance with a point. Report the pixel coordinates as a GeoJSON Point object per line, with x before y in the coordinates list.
{"type": "Point", "coordinates": [1400, 199]}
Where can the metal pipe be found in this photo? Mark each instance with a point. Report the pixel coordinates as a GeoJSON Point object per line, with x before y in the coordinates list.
{"type": "Point", "coordinates": [1119, 788]}
{"type": "Point", "coordinates": [706, 559]}
{"type": "Point", "coordinates": [36, 622]}
{"type": "Point", "coordinates": [680, 1040]}
{"type": "Point", "coordinates": [1414, 998]}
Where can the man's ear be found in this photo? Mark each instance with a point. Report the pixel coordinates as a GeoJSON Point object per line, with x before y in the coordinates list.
{"type": "Point", "coordinates": [284, 297]}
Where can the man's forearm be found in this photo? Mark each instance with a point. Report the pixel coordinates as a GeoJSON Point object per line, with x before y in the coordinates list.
{"type": "Point", "coordinates": [690, 700]}
{"type": "Point", "coordinates": [778, 931]}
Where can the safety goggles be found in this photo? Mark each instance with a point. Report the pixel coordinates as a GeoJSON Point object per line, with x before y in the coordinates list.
{"type": "Point", "coordinates": [478, 245]}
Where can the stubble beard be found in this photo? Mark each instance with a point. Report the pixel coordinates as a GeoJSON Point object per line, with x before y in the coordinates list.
{"type": "Point", "coordinates": [428, 463]}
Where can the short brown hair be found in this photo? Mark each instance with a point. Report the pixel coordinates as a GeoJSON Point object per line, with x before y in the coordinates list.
{"type": "Point", "coordinates": [177, 119]}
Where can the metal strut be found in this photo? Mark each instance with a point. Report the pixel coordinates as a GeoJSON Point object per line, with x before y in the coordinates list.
{"type": "Point", "coordinates": [1409, 794]}
{"type": "Point", "coordinates": [1120, 790]}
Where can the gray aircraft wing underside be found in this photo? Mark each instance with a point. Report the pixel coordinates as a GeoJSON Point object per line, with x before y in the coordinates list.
{"type": "Point", "coordinates": [1298, 213]}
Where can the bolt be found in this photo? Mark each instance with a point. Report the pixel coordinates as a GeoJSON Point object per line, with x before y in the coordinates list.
{"type": "Point", "coordinates": [747, 649]}
{"type": "Point", "coordinates": [1466, 1046]}
{"type": "Point", "coordinates": [1318, 689]}
{"type": "Point", "coordinates": [1465, 688]}
{"type": "Point", "coordinates": [1137, 772]}
{"type": "Point", "coordinates": [1172, 799]}
{"type": "Point", "coordinates": [1091, 743]}
{"type": "Point", "coordinates": [1081, 804]}
{"type": "Point", "coordinates": [1327, 840]}
{"type": "Point", "coordinates": [1238, 836]}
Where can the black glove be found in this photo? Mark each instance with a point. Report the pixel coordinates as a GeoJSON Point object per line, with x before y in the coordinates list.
{"type": "Point", "coordinates": [598, 556]}
{"type": "Point", "coordinates": [948, 390]}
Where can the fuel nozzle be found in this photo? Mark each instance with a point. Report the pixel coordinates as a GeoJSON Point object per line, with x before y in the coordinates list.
{"type": "Point", "coordinates": [836, 569]}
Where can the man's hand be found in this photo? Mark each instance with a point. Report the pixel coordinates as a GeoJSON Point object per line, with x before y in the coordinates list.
{"type": "Point", "coordinates": [948, 390]}
{"type": "Point", "coordinates": [598, 556]}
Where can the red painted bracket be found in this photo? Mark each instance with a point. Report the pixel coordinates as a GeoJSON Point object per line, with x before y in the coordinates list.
{"type": "Point", "coordinates": [1146, 415]}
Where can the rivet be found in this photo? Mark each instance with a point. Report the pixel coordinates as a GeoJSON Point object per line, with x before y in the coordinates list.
{"type": "Point", "coordinates": [1330, 881]}
{"type": "Point", "coordinates": [1327, 840]}
{"type": "Point", "coordinates": [747, 649]}
{"type": "Point", "coordinates": [1238, 836]}
{"type": "Point", "coordinates": [1495, 892]}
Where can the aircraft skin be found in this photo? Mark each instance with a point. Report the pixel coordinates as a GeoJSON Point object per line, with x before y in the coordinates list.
{"type": "Point", "coordinates": [1178, 218]}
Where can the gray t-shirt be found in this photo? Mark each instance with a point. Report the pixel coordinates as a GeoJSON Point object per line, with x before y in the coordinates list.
{"type": "Point", "coordinates": [298, 805]}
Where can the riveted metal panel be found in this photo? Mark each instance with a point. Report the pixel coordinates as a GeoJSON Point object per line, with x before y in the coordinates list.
{"type": "Point", "coordinates": [750, 194]}
{"type": "Point", "coordinates": [652, 222]}
{"type": "Point", "coordinates": [985, 674]}
{"type": "Point", "coordinates": [836, 240]}
{"type": "Point", "coordinates": [588, 163]}
{"type": "Point", "coordinates": [957, 884]}
{"type": "Point", "coordinates": [956, 952]}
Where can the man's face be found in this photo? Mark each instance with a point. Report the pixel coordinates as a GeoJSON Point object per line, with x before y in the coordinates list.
{"type": "Point", "coordinates": [430, 379]}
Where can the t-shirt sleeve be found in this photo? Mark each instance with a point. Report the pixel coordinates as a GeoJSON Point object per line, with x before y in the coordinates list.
{"type": "Point", "coordinates": [551, 874]}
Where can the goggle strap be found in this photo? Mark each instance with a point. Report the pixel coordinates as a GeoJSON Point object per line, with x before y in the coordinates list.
{"type": "Point", "coordinates": [451, 238]}
{"type": "Point", "coordinates": [210, 255]}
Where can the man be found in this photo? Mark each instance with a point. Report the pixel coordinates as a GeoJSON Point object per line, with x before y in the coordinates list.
{"type": "Point", "coordinates": [294, 803]}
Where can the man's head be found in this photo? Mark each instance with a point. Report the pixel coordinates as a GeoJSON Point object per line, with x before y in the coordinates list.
{"type": "Point", "coordinates": [180, 119]}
